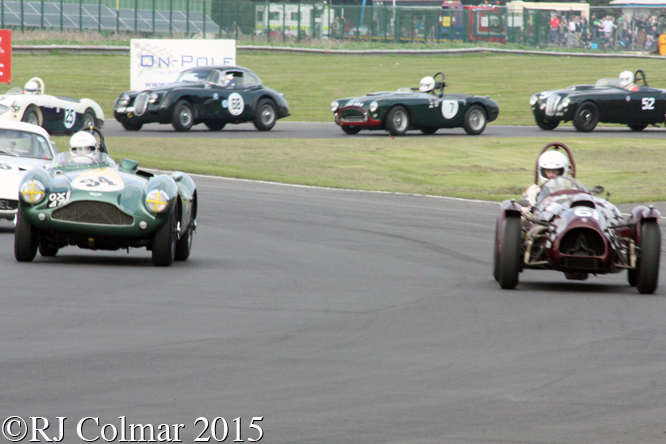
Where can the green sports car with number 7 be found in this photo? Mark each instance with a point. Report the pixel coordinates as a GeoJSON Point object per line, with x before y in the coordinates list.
{"type": "Point", "coordinates": [85, 199]}
{"type": "Point", "coordinates": [425, 108]}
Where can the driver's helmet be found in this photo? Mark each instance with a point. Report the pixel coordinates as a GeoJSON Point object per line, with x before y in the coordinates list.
{"type": "Point", "coordinates": [31, 87]}
{"type": "Point", "coordinates": [552, 161]}
{"type": "Point", "coordinates": [82, 143]}
{"type": "Point", "coordinates": [626, 78]}
{"type": "Point", "coordinates": [427, 84]}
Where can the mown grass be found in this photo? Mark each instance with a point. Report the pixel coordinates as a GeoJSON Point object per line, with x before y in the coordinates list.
{"type": "Point", "coordinates": [472, 167]}
{"type": "Point", "coordinates": [468, 167]}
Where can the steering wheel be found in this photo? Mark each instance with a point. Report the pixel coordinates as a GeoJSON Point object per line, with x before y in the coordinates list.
{"type": "Point", "coordinates": [88, 159]}
{"type": "Point", "coordinates": [99, 136]}
{"type": "Point", "coordinates": [640, 75]}
{"type": "Point", "coordinates": [441, 83]}
{"type": "Point", "coordinates": [556, 146]}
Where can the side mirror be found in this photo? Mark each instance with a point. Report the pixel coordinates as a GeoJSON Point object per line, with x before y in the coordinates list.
{"type": "Point", "coordinates": [598, 189]}
{"type": "Point", "coordinates": [129, 164]}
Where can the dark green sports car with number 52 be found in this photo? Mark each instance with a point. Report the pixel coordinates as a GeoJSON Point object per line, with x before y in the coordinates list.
{"type": "Point", "coordinates": [425, 108]}
{"type": "Point", "coordinates": [212, 95]}
{"type": "Point", "coordinates": [608, 101]}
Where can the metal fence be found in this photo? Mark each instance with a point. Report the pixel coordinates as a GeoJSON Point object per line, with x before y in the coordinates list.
{"type": "Point", "coordinates": [604, 29]}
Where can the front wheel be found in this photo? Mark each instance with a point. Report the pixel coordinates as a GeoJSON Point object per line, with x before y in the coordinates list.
{"type": "Point", "coordinates": [351, 130]}
{"type": "Point", "coordinates": [266, 115]}
{"type": "Point", "coordinates": [131, 126]}
{"type": "Point", "coordinates": [183, 116]}
{"type": "Point", "coordinates": [26, 239]}
{"type": "Point", "coordinates": [31, 116]}
{"type": "Point", "coordinates": [164, 242]}
{"type": "Point", "coordinates": [474, 121]}
{"type": "Point", "coordinates": [397, 121]}
{"type": "Point", "coordinates": [647, 272]}
{"type": "Point", "coordinates": [510, 253]}
{"type": "Point", "coordinates": [586, 117]}
{"type": "Point", "coordinates": [547, 125]}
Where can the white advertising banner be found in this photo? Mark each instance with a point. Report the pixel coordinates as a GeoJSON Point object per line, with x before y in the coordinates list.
{"type": "Point", "coordinates": [156, 62]}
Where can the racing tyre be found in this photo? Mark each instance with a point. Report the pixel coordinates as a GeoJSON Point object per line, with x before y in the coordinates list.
{"type": "Point", "coordinates": [266, 115]}
{"type": "Point", "coordinates": [510, 252]}
{"type": "Point", "coordinates": [164, 242]}
{"type": "Point", "coordinates": [474, 121]}
{"type": "Point", "coordinates": [547, 125]}
{"type": "Point", "coordinates": [397, 121]}
{"type": "Point", "coordinates": [130, 126]}
{"type": "Point", "coordinates": [183, 116]}
{"type": "Point", "coordinates": [647, 270]}
{"type": "Point", "coordinates": [184, 245]}
{"type": "Point", "coordinates": [429, 130]}
{"type": "Point", "coordinates": [586, 117]}
{"type": "Point", "coordinates": [31, 116]}
{"type": "Point", "coordinates": [47, 251]}
{"type": "Point", "coordinates": [351, 130]}
{"type": "Point", "coordinates": [496, 252]}
{"type": "Point", "coordinates": [88, 119]}
{"type": "Point", "coordinates": [215, 125]}
{"type": "Point", "coordinates": [640, 127]}
{"type": "Point", "coordinates": [26, 239]}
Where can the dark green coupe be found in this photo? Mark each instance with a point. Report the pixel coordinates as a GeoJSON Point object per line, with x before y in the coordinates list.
{"type": "Point", "coordinates": [410, 109]}
{"type": "Point", "coordinates": [608, 101]}
{"type": "Point", "coordinates": [91, 202]}
{"type": "Point", "coordinates": [212, 95]}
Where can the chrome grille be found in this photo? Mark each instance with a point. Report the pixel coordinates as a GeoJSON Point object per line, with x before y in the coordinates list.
{"type": "Point", "coordinates": [551, 104]}
{"type": "Point", "coordinates": [352, 115]}
{"type": "Point", "coordinates": [140, 104]}
{"type": "Point", "coordinates": [91, 212]}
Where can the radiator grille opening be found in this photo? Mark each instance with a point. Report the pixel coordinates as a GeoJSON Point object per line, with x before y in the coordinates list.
{"type": "Point", "coordinates": [91, 212]}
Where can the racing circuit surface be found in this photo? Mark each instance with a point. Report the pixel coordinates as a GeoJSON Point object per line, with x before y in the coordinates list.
{"type": "Point", "coordinates": [329, 130]}
{"type": "Point", "coordinates": [339, 317]}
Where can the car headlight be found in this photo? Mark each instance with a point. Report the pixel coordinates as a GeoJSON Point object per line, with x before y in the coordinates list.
{"type": "Point", "coordinates": [157, 201]}
{"type": "Point", "coordinates": [123, 100]}
{"type": "Point", "coordinates": [335, 106]}
{"type": "Point", "coordinates": [533, 100]}
{"type": "Point", "coordinates": [153, 97]}
{"type": "Point", "coordinates": [16, 106]}
{"type": "Point", "coordinates": [32, 192]}
{"type": "Point", "coordinates": [373, 107]}
{"type": "Point", "coordinates": [564, 103]}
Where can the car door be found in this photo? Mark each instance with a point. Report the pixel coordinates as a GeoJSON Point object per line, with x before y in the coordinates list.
{"type": "Point", "coordinates": [235, 89]}
{"type": "Point", "coordinates": [644, 106]}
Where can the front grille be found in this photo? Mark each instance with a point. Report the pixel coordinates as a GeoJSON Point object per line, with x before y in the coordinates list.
{"type": "Point", "coordinates": [140, 104]}
{"type": "Point", "coordinates": [551, 104]}
{"type": "Point", "coordinates": [351, 115]}
{"type": "Point", "coordinates": [91, 212]}
{"type": "Point", "coordinates": [8, 204]}
{"type": "Point", "coordinates": [582, 262]}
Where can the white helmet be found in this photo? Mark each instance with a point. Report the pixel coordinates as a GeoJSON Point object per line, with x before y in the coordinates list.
{"type": "Point", "coordinates": [82, 143]}
{"type": "Point", "coordinates": [31, 87]}
{"type": "Point", "coordinates": [626, 78]}
{"type": "Point", "coordinates": [552, 160]}
{"type": "Point", "coordinates": [427, 84]}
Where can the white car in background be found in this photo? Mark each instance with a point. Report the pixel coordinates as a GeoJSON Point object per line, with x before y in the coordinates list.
{"type": "Point", "coordinates": [22, 147]}
{"type": "Point", "coordinates": [57, 115]}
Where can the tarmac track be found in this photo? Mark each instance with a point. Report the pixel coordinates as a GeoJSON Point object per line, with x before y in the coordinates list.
{"type": "Point", "coordinates": [336, 316]}
{"type": "Point", "coordinates": [329, 130]}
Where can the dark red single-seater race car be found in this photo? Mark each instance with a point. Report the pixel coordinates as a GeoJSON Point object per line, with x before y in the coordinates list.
{"type": "Point", "coordinates": [573, 230]}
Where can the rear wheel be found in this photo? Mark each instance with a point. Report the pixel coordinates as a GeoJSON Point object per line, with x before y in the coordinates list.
{"type": "Point", "coordinates": [183, 116]}
{"type": "Point", "coordinates": [474, 121]}
{"type": "Point", "coordinates": [586, 117]}
{"type": "Point", "coordinates": [547, 125]}
{"type": "Point", "coordinates": [26, 239]}
{"type": "Point", "coordinates": [496, 247]}
{"type": "Point", "coordinates": [640, 127]}
{"type": "Point", "coordinates": [131, 126]}
{"type": "Point", "coordinates": [164, 242]}
{"type": "Point", "coordinates": [647, 269]}
{"type": "Point", "coordinates": [509, 255]}
{"type": "Point", "coordinates": [397, 121]}
{"type": "Point", "coordinates": [184, 245]}
{"type": "Point", "coordinates": [88, 119]}
{"type": "Point", "coordinates": [31, 116]}
{"type": "Point", "coordinates": [266, 115]}
{"type": "Point", "coordinates": [351, 130]}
